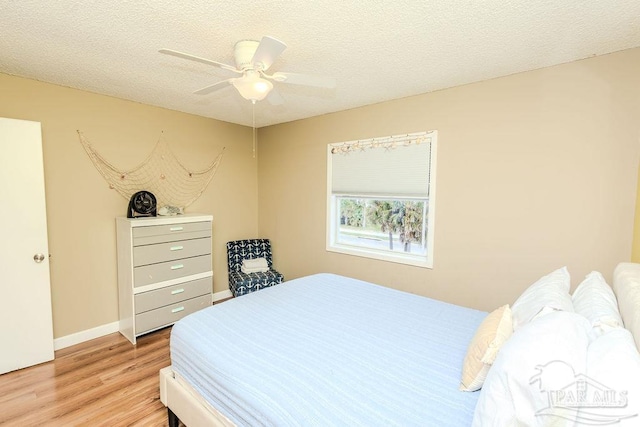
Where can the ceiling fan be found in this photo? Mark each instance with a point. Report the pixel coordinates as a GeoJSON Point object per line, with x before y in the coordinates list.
{"type": "Point", "coordinates": [253, 59]}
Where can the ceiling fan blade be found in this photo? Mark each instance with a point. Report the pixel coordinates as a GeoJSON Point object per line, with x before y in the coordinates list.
{"type": "Point", "coordinates": [198, 59]}
{"type": "Point", "coordinates": [304, 79]}
{"type": "Point", "coordinates": [267, 52]}
{"type": "Point", "coordinates": [216, 86]}
{"type": "Point", "coordinates": [275, 98]}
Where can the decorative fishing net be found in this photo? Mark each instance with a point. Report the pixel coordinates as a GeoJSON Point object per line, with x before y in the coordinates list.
{"type": "Point", "coordinates": [161, 173]}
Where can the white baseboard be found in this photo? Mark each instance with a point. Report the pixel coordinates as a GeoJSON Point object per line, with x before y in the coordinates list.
{"type": "Point", "coordinates": [217, 296]}
{"type": "Point", "coordinates": [100, 331]}
{"type": "Point", "coordinates": [82, 336]}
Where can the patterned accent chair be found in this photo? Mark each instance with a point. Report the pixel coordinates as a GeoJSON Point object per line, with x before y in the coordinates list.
{"type": "Point", "coordinates": [241, 283]}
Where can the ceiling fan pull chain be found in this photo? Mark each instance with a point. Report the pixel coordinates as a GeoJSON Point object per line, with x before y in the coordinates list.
{"type": "Point", "coordinates": [253, 126]}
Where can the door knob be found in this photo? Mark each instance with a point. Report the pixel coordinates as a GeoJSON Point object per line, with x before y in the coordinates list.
{"type": "Point", "coordinates": [38, 258]}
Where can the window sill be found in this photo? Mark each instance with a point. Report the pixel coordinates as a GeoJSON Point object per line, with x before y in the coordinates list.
{"type": "Point", "coordinates": [415, 260]}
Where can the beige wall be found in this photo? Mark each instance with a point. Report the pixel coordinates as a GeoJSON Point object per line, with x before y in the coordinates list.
{"type": "Point", "coordinates": [635, 253]}
{"type": "Point", "coordinates": [535, 171]}
{"type": "Point", "coordinates": [81, 207]}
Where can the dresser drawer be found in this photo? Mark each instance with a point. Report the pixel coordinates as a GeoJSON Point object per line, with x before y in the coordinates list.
{"type": "Point", "coordinates": [161, 252]}
{"type": "Point", "coordinates": [170, 233]}
{"type": "Point", "coordinates": [172, 294]}
{"type": "Point", "coordinates": [169, 314]}
{"type": "Point", "coordinates": [147, 274]}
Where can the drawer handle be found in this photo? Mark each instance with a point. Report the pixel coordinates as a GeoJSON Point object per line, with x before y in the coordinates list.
{"type": "Point", "coordinates": [177, 309]}
{"type": "Point", "coordinates": [176, 228]}
{"type": "Point", "coordinates": [176, 248]}
{"type": "Point", "coordinates": [177, 266]}
{"type": "Point", "coordinates": [177, 291]}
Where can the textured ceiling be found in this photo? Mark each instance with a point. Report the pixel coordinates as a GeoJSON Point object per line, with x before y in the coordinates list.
{"type": "Point", "coordinates": [376, 50]}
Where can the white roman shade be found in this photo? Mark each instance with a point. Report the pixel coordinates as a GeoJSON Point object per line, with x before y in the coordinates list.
{"type": "Point", "coordinates": [392, 166]}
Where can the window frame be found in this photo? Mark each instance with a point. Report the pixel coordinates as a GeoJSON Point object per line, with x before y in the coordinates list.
{"type": "Point", "coordinates": [333, 221]}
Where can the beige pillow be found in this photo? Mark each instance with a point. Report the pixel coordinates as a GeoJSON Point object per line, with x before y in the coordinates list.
{"type": "Point", "coordinates": [492, 333]}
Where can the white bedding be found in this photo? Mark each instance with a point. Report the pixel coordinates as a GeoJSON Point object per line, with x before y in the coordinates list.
{"type": "Point", "coordinates": [328, 350]}
{"type": "Point", "coordinates": [626, 284]}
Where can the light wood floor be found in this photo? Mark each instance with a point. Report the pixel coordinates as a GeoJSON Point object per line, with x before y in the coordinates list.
{"type": "Point", "coordinates": [106, 381]}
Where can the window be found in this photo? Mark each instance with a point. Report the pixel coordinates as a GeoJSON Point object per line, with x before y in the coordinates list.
{"type": "Point", "coordinates": [381, 198]}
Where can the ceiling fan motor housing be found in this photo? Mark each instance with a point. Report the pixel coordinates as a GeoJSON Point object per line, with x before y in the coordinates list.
{"type": "Point", "coordinates": [243, 53]}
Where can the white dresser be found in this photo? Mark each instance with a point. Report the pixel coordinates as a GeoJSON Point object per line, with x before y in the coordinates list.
{"type": "Point", "coordinates": [164, 270]}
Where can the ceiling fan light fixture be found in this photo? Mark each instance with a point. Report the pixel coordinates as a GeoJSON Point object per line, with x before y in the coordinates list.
{"type": "Point", "coordinates": [252, 87]}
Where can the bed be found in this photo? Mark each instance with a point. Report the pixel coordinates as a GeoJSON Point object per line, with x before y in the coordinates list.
{"type": "Point", "coordinates": [329, 350]}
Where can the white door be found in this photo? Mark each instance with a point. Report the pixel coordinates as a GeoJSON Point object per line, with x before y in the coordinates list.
{"type": "Point", "coordinates": [26, 327]}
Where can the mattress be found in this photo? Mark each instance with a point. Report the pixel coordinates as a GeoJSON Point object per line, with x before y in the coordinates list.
{"type": "Point", "coordinates": [329, 350]}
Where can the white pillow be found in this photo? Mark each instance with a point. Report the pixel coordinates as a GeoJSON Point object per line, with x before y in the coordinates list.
{"type": "Point", "coordinates": [490, 336]}
{"type": "Point", "coordinates": [594, 299]}
{"type": "Point", "coordinates": [613, 375]}
{"type": "Point", "coordinates": [626, 284]}
{"type": "Point", "coordinates": [550, 293]}
{"type": "Point", "coordinates": [539, 358]}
